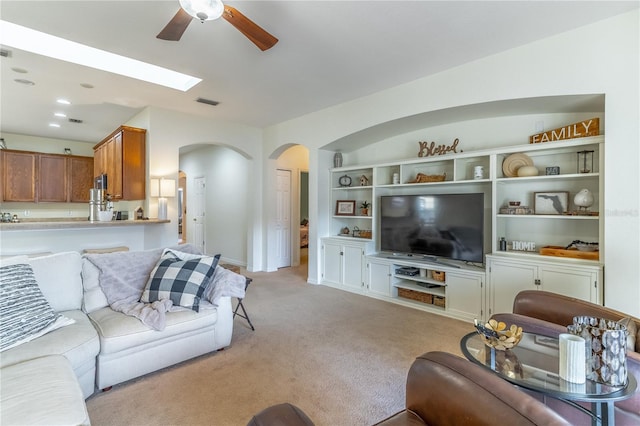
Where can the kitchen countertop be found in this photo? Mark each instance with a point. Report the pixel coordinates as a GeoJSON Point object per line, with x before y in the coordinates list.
{"type": "Point", "coordinates": [62, 223]}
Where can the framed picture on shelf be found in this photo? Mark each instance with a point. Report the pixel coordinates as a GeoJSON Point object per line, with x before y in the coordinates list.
{"type": "Point", "coordinates": [345, 208]}
{"type": "Point", "coordinates": [556, 202]}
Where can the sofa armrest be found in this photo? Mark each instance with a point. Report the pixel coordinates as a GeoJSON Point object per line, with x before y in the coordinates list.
{"type": "Point", "coordinates": [445, 389]}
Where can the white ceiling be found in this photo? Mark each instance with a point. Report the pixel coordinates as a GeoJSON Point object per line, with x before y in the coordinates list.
{"type": "Point", "coordinates": [329, 52]}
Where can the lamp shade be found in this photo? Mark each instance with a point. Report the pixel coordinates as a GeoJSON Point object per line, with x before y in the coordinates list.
{"type": "Point", "coordinates": [154, 186]}
{"type": "Point", "coordinates": [204, 10]}
{"type": "Point", "coordinates": [167, 188]}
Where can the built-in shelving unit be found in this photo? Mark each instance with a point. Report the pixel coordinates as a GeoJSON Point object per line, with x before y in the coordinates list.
{"type": "Point", "coordinates": [458, 172]}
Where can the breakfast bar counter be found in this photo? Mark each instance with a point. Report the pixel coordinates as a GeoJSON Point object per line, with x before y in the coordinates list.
{"type": "Point", "coordinates": [66, 223]}
{"type": "Point", "coordinates": [52, 235]}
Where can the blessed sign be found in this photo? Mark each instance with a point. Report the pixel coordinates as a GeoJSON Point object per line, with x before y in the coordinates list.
{"type": "Point", "coordinates": [582, 129]}
{"type": "Point", "coordinates": [429, 149]}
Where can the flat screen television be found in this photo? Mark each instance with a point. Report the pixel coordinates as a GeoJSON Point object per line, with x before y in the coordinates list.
{"type": "Point", "coordinates": [438, 225]}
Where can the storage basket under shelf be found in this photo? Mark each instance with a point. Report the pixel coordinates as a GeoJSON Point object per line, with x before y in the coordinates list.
{"type": "Point", "coordinates": [415, 295]}
{"type": "Point", "coordinates": [438, 275]}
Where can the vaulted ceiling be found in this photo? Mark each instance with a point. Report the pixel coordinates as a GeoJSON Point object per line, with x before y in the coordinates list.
{"type": "Point", "coordinates": [328, 52]}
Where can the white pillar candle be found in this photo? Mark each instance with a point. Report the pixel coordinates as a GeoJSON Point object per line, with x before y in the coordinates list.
{"type": "Point", "coordinates": [572, 358]}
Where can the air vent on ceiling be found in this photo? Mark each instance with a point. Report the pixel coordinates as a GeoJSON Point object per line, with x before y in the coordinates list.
{"type": "Point", "coordinates": [5, 53]}
{"type": "Point", "coordinates": [207, 101]}
{"type": "Point", "coordinates": [75, 120]}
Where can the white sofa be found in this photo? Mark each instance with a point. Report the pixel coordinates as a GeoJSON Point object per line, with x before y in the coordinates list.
{"type": "Point", "coordinates": [129, 349]}
{"type": "Point", "coordinates": [102, 348]}
{"type": "Point", "coordinates": [46, 380]}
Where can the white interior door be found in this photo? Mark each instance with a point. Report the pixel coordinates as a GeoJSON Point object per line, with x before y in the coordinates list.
{"type": "Point", "coordinates": [283, 218]}
{"type": "Point", "coordinates": [199, 203]}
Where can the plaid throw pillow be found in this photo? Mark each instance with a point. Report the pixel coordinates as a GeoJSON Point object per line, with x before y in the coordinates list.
{"type": "Point", "coordinates": [180, 277]}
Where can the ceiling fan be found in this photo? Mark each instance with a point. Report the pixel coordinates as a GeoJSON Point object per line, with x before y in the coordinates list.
{"type": "Point", "coordinates": [207, 10]}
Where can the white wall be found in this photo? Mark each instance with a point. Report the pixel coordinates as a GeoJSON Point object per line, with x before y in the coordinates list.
{"type": "Point", "coordinates": [598, 58]}
{"type": "Point", "coordinates": [168, 131]}
{"type": "Point", "coordinates": [226, 173]}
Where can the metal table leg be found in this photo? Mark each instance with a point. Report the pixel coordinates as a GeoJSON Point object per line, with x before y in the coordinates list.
{"type": "Point", "coordinates": [240, 305]}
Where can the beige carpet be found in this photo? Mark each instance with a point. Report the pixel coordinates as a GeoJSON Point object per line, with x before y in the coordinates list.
{"type": "Point", "coordinates": [341, 357]}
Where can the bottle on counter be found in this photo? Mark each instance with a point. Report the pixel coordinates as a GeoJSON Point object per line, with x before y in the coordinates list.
{"type": "Point", "coordinates": [503, 244]}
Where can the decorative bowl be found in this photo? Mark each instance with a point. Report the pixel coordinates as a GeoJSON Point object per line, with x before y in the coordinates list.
{"type": "Point", "coordinates": [514, 203]}
{"type": "Point", "coordinates": [496, 334]}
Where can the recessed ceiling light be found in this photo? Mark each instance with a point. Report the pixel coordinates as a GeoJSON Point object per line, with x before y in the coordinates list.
{"type": "Point", "coordinates": [86, 85]}
{"type": "Point", "coordinates": [44, 44]}
{"type": "Point", "coordinates": [63, 102]}
{"type": "Point", "coordinates": [54, 125]}
{"type": "Point", "coordinates": [60, 114]}
{"type": "Point", "coordinates": [25, 82]}
{"type": "Point", "coordinates": [19, 70]}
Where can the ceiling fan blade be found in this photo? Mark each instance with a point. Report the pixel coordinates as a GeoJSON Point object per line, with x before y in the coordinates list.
{"type": "Point", "coordinates": [250, 29]}
{"type": "Point", "coordinates": [176, 27]}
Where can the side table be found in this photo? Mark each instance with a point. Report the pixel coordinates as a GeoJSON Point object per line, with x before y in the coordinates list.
{"type": "Point", "coordinates": [533, 364]}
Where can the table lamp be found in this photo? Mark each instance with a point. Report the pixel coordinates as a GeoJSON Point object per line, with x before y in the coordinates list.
{"type": "Point", "coordinates": [163, 189]}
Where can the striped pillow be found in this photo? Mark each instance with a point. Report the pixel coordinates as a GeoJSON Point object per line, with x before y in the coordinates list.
{"type": "Point", "coordinates": [24, 311]}
{"type": "Point", "coordinates": [181, 277]}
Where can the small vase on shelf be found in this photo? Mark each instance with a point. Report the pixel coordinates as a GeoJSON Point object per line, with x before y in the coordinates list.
{"type": "Point", "coordinates": [337, 159]}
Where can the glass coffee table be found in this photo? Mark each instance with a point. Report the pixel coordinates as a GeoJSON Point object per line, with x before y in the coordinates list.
{"type": "Point", "coordinates": [533, 364]}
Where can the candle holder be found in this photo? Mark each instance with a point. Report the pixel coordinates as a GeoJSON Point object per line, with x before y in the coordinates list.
{"type": "Point", "coordinates": [585, 161]}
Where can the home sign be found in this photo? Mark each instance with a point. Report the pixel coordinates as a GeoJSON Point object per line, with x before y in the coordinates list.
{"type": "Point", "coordinates": [582, 129]}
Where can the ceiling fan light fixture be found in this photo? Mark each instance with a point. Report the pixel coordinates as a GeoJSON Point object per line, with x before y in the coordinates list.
{"type": "Point", "coordinates": [204, 10]}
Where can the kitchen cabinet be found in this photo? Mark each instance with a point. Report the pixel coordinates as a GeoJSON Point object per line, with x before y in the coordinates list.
{"type": "Point", "coordinates": [122, 157]}
{"type": "Point", "coordinates": [508, 276]}
{"type": "Point", "coordinates": [43, 177]}
{"type": "Point", "coordinates": [53, 182]}
{"type": "Point", "coordinates": [19, 170]}
{"type": "Point", "coordinates": [344, 263]}
{"type": "Point", "coordinates": [80, 172]}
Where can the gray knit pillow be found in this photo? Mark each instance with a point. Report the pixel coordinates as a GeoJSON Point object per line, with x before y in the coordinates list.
{"type": "Point", "coordinates": [24, 311]}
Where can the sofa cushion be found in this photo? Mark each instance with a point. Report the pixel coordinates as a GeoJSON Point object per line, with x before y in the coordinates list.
{"type": "Point", "coordinates": [119, 332]}
{"type": "Point", "coordinates": [78, 343]}
{"type": "Point", "coordinates": [42, 391]}
{"type": "Point", "coordinates": [181, 277]}
{"type": "Point", "coordinates": [94, 297]}
{"type": "Point", "coordinates": [24, 312]}
{"type": "Point", "coordinates": [59, 277]}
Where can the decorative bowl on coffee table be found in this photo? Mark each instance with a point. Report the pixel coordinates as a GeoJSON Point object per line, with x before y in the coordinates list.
{"type": "Point", "coordinates": [496, 334]}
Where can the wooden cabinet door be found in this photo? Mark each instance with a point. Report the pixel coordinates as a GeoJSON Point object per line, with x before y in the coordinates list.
{"type": "Point", "coordinates": [80, 178]}
{"type": "Point", "coordinates": [19, 176]}
{"type": "Point", "coordinates": [100, 160]}
{"type": "Point", "coordinates": [133, 164]}
{"type": "Point", "coordinates": [53, 184]}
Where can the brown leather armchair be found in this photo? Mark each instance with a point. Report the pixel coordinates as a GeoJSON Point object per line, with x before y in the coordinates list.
{"type": "Point", "coordinates": [547, 313]}
{"type": "Point", "coordinates": [444, 389]}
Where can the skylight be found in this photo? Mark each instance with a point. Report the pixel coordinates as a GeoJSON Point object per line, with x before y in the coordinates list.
{"type": "Point", "coordinates": [44, 44]}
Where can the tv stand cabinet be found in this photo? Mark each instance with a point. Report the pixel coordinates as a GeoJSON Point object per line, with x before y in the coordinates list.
{"type": "Point", "coordinates": [450, 288]}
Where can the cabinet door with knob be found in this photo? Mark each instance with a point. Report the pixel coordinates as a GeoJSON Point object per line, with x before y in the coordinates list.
{"type": "Point", "coordinates": [343, 262]}
{"type": "Point", "coordinates": [379, 278]}
{"type": "Point", "coordinates": [509, 276]}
